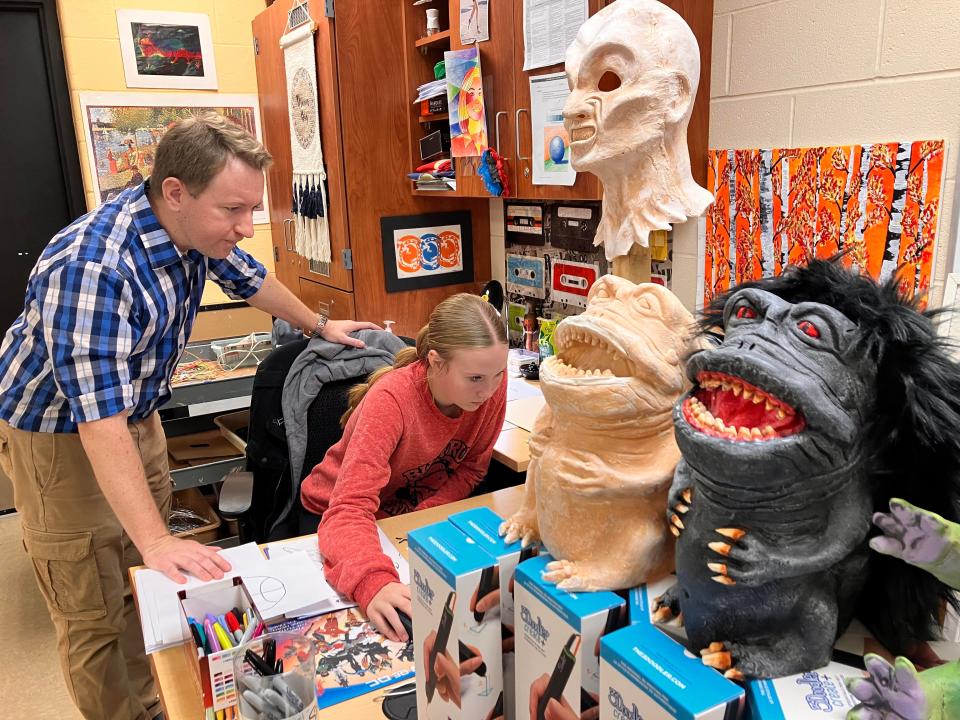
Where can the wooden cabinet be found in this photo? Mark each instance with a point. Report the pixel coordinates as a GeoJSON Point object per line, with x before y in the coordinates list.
{"type": "Point", "coordinates": [507, 94]}
{"type": "Point", "coordinates": [363, 127]}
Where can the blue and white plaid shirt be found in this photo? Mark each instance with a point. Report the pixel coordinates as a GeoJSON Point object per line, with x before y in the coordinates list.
{"type": "Point", "coordinates": [108, 309]}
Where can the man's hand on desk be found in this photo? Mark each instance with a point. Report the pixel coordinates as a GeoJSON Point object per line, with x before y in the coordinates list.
{"type": "Point", "coordinates": [338, 331]}
{"type": "Point", "coordinates": [382, 610]}
{"type": "Point", "coordinates": [172, 555]}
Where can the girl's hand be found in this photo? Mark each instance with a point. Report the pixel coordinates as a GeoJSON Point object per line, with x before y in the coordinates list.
{"type": "Point", "coordinates": [382, 610]}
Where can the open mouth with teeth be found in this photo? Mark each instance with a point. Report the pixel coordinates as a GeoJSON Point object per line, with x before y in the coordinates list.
{"type": "Point", "coordinates": [726, 406]}
{"type": "Point", "coordinates": [582, 133]}
{"type": "Point", "coordinates": [584, 353]}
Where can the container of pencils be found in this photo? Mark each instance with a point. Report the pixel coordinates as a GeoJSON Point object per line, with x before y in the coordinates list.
{"type": "Point", "coordinates": [275, 675]}
{"type": "Point", "coordinates": [220, 617]}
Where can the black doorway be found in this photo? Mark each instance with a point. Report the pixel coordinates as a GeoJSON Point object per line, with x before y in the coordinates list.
{"type": "Point", "coordinates": [41, 188]}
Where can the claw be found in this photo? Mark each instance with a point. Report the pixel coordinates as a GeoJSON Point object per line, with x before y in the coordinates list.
{"type": "Point", "coordinates": [724, 580]}
{"type": "Point", "coordinates": [734, 674]}
{"type": "Point", "coordinates": [713, 648]}
{"type": "Point", "coordinates": [663, 615]}
{"type": "Point", "coordinates": [675, 519]}
{"type": "Point", "coordinates": [681, 508]}
{"type": "Point", "coordinates": [733, 533]}
{"type": "Point", "coordinates": [719, 568]}
{"type": "Point", "coordinates": [676, 533]}
{"type": "Point", "coordinates": [687, 495]}
{"type": "Point", "coordinates": [719, 547]}
{"type": "Point", "coordinates": [719, 660]}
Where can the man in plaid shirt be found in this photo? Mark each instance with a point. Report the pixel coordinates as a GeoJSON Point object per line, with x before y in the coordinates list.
{"type": "Point", "coordinates": [108, 310]}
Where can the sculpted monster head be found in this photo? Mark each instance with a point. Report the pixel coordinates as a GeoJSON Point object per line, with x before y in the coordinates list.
{"type": "Point", "coordinates": [633, 72]}
{"type": "Point", "coordinates": [622, 357]}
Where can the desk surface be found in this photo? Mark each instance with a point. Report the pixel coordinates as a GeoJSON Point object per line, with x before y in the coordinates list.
{"type": "Point", "coordinates": [511, 447]}
{"type": "Point", "coordinates": [176, 671]}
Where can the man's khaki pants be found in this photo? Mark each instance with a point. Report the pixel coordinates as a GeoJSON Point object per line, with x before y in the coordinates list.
{"type": "Point", "coordinates": [80, 556]}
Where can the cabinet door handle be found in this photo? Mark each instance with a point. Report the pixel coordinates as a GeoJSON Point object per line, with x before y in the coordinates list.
{"type": "Point", "coordinates": [288, 236]}
{"type": "Point", "coordinates": [496, 129]}
{"type": "Point", "coordinates": [520, 158]}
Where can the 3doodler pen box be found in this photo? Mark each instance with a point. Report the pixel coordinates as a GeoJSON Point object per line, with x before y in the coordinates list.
{"type": "Point", "coordinates": [646, 674]}
{"type": "Point", "coordinates": [816, 695]}
{"type": "Point", "coordinates": [447, 570]}
{"type": "Point", "coordinates": [557, 647]}
{"type": "Point", "coordinates": [483, 525]}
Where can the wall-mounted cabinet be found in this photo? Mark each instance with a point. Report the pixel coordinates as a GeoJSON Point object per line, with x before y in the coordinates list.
{"type": "Point", "coordinates": [507, 94]}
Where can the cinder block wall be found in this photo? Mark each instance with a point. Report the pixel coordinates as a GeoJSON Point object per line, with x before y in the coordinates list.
{"type": "Point", "coordinates": [800, 73]}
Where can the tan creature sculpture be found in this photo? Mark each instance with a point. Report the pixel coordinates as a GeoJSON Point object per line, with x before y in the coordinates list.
{"type": "Point", "coordinates": [633, 72]}
{"type": "Point", "coordinates": [602, 452]}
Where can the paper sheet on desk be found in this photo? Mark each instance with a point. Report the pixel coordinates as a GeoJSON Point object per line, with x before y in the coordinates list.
{"type": "Point", "coordinates": [288, 586]}
{"type": "Point", "coordinates": [330, 599]}
{"type": "Point", "coordinates": [517, 389]}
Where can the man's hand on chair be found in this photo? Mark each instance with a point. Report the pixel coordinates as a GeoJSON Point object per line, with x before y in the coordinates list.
{"type": "Point", "coordinates": [338, 331]}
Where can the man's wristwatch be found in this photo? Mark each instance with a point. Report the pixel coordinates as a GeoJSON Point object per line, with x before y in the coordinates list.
{"type": "Point", "coordinates": [321, 324]}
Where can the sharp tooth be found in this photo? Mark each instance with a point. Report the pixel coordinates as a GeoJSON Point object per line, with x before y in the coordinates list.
{"type": "Point", "coordinates": [708, 418]}
{"type": "Point", "coordinates": [781, 414]}
{"type": "Point", "coordinates": [737, 389]}
{"type": "Point", "coordinates": [769, 406]}
{"type": "Point", "coordinates": [607, 373]}
{"type": "Point", "coordinates": [755, 434]}
{"type": "Point", "coordinates": [731, 433]}
{"type": "Point", "coordinates": [747, 393]}
{"type": "Point", "coordinates": [757, 399]}
{"type": "Point", "coordinates": [744, 434]}
{"type": "Point", "coordinates": [768, 431]}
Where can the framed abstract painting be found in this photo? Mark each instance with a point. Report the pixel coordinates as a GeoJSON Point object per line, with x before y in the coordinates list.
{"type": "Point", "coordinates": [167, 50]}
{"type": "Point", "coordinates": [423, 251]}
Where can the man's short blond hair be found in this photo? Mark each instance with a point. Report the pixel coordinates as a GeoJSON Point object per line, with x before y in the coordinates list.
{"type": "Point", "coordinates": [196, 149]}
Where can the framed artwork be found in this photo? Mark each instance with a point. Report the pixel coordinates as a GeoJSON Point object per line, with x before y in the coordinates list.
{"type": "Point", "coordinates": [878, 204]}
{"type": "Point", "coordinates": [167, 50]}
{"type": "Point", "coordinates": [423, 251]}
{"type": "Point", "coordinates": [122, 131]}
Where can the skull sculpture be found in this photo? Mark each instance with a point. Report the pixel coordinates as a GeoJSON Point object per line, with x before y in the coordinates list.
{"type": "Point", "coordinates": [633, 72]}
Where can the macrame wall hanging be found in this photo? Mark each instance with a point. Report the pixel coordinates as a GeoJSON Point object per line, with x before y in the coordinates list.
{"type": "Point", "coordinates": [309, 177]}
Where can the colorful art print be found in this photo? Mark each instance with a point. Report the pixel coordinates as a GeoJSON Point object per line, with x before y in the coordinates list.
{"type": "Point", "coordinates": [167, 50]}
{"type": "Point", "coordinates": [123, 129]}
{"type": "Point", "coordinates": [353, 658]}
{"type": "Point", "coordinates": [468, 122]}
{"type": "Point", "coordinates": [878, 204]}
{"type": "Point", "coordinates": [421, 251]}
{"type": "Point", "coordinates": [556, 149]}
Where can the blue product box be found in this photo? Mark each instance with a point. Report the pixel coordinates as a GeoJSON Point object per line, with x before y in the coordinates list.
{"type": "Point", "coordinates": [483, 525]}
{"type": "Point", "coordinates": [557, 641]}
{"type": "Point", "coordinates": [646, 674]}
{"type": "Point", "coordinates": [816, 695]}
{"type": "Point", "coordinates": [446, 569]}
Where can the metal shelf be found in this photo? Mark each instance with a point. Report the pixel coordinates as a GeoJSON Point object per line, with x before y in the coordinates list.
{"type": "Point", "coordinates": [204, 474]}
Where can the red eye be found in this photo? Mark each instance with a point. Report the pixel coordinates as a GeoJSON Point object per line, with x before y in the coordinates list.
{"type": "Point", "coordinates": [745, 311]}
{"type": "Point", "coordinates": [808, 328]}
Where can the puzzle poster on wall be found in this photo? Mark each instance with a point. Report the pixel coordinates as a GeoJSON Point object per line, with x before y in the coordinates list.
{"type": "Point", "coordinates": [571, 281]}
{"type": "Point", "coordinates": [878, 204]}
{"type": "Point", "coordinates": [526, 275]}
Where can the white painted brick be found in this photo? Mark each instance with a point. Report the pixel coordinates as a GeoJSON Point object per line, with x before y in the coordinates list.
{"type": "Point", "coordinates": [904, 109]}
{"type": "Point", "coordinates": [685, 279]}
{"type": "Point", "coordinates": [758, 122]}
{"type": "Point", "coordinates": [724, 6]}
{"type": "Point", "coordinates": [942, 262]}
{"type": "Point", "coordinates": [920, 36]}
{"type": "Point", "coordinates": [802, 43]}
{"type": "Point", "coordinates": [718, 61]}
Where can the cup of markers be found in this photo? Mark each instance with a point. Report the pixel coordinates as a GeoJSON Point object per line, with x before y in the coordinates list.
{"type": "Point", "coordinates": [275, 675]}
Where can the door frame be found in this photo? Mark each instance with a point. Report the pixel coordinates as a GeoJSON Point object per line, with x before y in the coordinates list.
{"type": "Point", "coordinates": [46, 11]}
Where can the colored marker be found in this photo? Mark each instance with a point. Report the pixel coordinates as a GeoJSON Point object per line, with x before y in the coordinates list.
{"type": "Point", "coordinates": [222, 637]}
{"type": "Point", "coordinates": [212, 640]}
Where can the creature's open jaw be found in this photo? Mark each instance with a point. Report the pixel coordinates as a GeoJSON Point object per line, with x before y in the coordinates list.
{"type": "Point", "coordinates": [582, 134]}
{"type": "Point", "coordinates": [585, 352]}
{"type": "Point", "coordinates": [726, 406]}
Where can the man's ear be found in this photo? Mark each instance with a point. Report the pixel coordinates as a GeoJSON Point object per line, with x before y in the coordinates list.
{"type": "Point", "coordinates": [173, 191]}
{"type": "Point", "coordinates": [677, 86]}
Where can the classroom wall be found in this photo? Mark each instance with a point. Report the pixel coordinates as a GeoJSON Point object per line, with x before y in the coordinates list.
{"type": "Point", "coordinates": [801, 73]}
{"type": "Point", "coordinates": [92, 52]}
